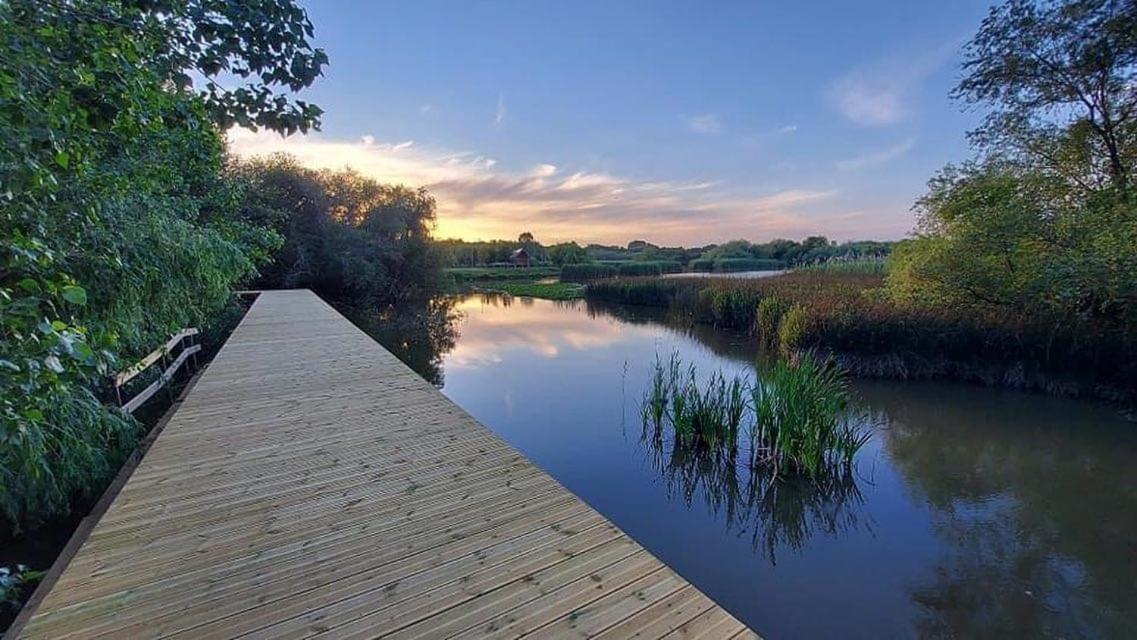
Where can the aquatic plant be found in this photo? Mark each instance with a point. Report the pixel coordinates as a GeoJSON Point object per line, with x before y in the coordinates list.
{"type": "Point", "coordinates": [858, 266]}
{"type": "Point", "coordinates": [850, 316]}
{"type": "Point", "coordinates": [706, 416]}
{"type": "Point", "coordinates": [587, 272]}
{"type": "Point", "coordinates": [649, 267]}
{"type": "Point", "coordinates": [803, 420]}
{"type": "Point", "coordinates": [798, 417]}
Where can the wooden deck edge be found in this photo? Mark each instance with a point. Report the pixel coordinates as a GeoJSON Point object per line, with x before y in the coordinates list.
{"type": "Point", "coordinates": [87, 524]}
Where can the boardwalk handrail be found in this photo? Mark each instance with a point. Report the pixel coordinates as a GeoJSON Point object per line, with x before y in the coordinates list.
{"type": "Point", "coordinates": [161, 353]}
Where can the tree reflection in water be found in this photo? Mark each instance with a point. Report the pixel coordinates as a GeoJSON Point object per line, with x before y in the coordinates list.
{"type": "Point", "coordinates": [418, 333]}
{"type": "Point", "coordinates": [776, 512]}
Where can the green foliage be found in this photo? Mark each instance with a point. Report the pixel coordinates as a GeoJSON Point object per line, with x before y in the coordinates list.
{"type": "Point", "coordinates": [492, 253]}
{"type": "Point", "coordinates": [15, 583]}
{"type": "Point", "coordinates": [803, 421]}
{"type": "Point", "coordinates": [546, 290]}
{"type": "Point", "coordinates": [347, 237]}
{"type": "Point", "coordinates": [466, 274]}
{"type": "Point", "coordinates": [734, 265]}
{"type": "Point", "coordinates": [115, 226]}
{"type": "Point", "coordinates": [1045, 222]}
{"type": "Point", "coordinates": [856, 266]}
{"type": "Point", "coordinates": [853, 317]}
{"type": "Point", "coordinates": [587, 272]}
{"type": "Point", "coordinates": [793, 329]}
{"type": "Point", "coordinates": [567, 253]}
{"type": "Point", "coordinates": [777, 254]}
{"type": "Point", "coordinates": [1057, 78]}
{"type": "Point", "coordinates": [707, 417]}
{"type": "Point", "coordinates": [797, 418]}
{"type": "Point", "coordinates": [768, 319]}
{"type": "Point", "coordinates": [649, 268]}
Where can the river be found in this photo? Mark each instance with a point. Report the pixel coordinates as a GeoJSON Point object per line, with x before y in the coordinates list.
{"type": "Point", "coordinates": [972, 512]}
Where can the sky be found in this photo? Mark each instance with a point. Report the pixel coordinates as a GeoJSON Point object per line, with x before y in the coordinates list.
{"type": "Point", "coordinates": [680, 123]}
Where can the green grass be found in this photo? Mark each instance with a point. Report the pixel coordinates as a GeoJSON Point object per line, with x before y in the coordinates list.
{"type": "Point", "coordinates": [466, 274]}
{"type": "Point", "coordinates": [546, 290]}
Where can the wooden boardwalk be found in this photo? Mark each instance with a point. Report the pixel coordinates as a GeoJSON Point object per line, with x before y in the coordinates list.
{"type": "Point", "coordinates": [311, 485]}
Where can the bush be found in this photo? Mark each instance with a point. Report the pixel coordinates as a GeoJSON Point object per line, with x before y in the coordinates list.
{"type": "Point", "coordinates": [769, 318]}
{"type": "Point", "coordinates": [703, 265]}
{"type": "Point", "coordinates": [586, 272]}
{"type": "Point", "coordinates": [793, 328]}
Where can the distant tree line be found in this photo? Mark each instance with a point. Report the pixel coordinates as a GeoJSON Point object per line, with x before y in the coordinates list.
{"type": "Point", "coordinates": [787, 253]}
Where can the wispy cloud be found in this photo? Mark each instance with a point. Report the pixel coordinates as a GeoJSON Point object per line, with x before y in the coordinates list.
{"type": "Point", "coordinates": [425, 109]}
{"type": "Point", "coordinates": [883, 93]}
{"type": "Point", "coordinates": [476, 199]}
{"type": "Point", "coordinates": [877, 158]}
{"type": "Point", "coordinates": [499, 117]}
{"type": "Point", "coordinates": [705, 123]}
{"type": "Point", "coordinates": [786, 130]}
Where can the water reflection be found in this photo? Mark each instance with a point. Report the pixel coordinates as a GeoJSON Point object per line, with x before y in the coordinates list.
{"type": "Point", "coordinates": [1038, 513]}
{"type": "Point", "coordinates": [419, 334]}
{"type": "Point", "coordinates": [775, 513]}
{"type": "Point", "coordinates": [973, 513]}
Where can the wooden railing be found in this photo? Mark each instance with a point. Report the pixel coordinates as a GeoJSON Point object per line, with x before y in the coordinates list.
{"type": "Point", "coordinates": [169, 368]}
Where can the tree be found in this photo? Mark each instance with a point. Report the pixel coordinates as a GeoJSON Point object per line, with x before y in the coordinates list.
{"type": "Point", "coordinates": [567, 253]}
{"type": "Point", "coordinates": [116, 226]}
{"type": "Point", "coordinates": [525, 238]}
{"type": "Point", "coordinates": [350, 238]}
{"type": "Point", "coordinates": [1061, 79]}
{"type": "Point", "coordinates": [1045, 221]}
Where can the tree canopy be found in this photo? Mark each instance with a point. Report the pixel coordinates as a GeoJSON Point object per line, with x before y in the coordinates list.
{"type": "Point", "coordinates": [1045, 219]}
{"type": "Point", "coordinates": [116, 224]}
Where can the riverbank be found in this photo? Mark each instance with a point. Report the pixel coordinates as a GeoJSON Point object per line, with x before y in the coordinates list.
{"type": "Point", "coordinates": [849, 317]}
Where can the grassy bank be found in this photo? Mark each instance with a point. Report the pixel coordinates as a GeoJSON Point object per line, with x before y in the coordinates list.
{"type": "Point", "coordinates": [468, 274]}
{"type": "Point", "coordinates": [848, 315]}
{"type": "Point", "coordinates": [546, 290]}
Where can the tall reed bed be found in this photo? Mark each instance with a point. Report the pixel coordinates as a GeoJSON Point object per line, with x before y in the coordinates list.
{"type": "Point", "coordinates": [851, 317]}
{"type": "Point", "coordinates": [859, 266]}
{"type": "Point", "coordinates": [587, 272]}
{"type": "Point", "coordinates": [799, 420]}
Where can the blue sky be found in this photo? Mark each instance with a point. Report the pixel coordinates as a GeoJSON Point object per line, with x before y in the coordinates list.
{"type": "Point", "coordinates": [680, 123]}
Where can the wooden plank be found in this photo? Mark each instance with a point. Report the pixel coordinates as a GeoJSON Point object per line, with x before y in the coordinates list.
{"type": "Point", "coordinates": [312, 485]}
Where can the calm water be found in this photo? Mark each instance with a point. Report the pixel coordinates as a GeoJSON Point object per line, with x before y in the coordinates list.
{"type": "Point", "coordinates": [973, 513]}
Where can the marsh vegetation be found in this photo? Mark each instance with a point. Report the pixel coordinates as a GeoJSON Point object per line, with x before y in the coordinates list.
{"type": "Point", "coordinates": [795, 418]}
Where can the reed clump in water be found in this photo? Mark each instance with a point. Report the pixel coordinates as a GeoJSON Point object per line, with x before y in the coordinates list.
{"type": "Point", "coordinates": [800, 420]}
{"type": "Point", "coordinates": [804, 418]}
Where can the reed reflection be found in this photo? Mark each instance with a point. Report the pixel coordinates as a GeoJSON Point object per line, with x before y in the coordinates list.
{"type": "Point", "coordinates": [776, 512]}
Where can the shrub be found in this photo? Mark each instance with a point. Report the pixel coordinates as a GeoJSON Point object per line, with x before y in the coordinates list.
{"type": "Point", "coordinates": [587, 272]}
{"type": "Point", "coordinates": [703, 265]}
{"type": "Point", "coordinates": [792, 328]}
{"type": "Point", "coordinates": [768, 318]}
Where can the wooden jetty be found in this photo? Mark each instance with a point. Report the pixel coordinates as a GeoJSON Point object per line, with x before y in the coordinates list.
{"type": "Point", "coordinates": [311, 485]}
